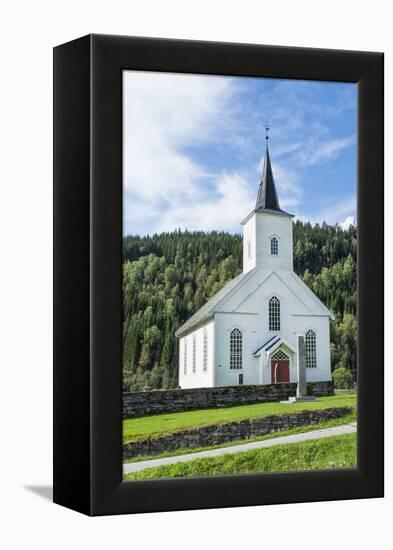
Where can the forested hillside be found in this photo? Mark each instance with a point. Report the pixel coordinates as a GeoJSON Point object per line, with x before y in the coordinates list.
{"type": "Point", "coordinates": [167, 277]}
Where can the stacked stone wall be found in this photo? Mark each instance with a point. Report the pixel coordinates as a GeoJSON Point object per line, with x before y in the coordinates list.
{"type": "Point", "coordinates": [232, 431]}
{"type": "Point", "coordinates": [165, 401]}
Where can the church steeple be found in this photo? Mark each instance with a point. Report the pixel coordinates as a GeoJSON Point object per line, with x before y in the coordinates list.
{"type": "Point", "coordinates": [267, 195]}
{"type": "Point", "coordinates": [267, 230]}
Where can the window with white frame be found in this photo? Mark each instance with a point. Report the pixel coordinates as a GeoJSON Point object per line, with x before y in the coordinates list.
{"type": "Point", "coordinates": [204, 350]}
{"type": "Point", "coordinates": [274, 313]}
{"type": "Point", "coordinates": [248, 248]}
{"type": "Point", "coordinates": [274, 246]}
{"type": "Point", "coordinates": [194, 352]}
{"type": "Point", "coordinates": [185, 356]}
{"type": "Point", "coordinates": [236, 349]}
{"type": "Point", "coordinates": [311, 349]}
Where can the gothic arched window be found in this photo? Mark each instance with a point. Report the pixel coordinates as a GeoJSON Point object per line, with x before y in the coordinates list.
{"type": "Point", "coordinates": [194, 352]}
{"type": "Point", "coordinates": [274, 246]}
{"type": "Point", "coordinates": [204, 349]}
{"type": "Point", "coordinates": [274, 313]}
{"type": "Point", "coordinates": [236, 349]}
{"type": "Point", "coordinates": [311, 349]}
{"type": "Point", "coordinates": [185, 356]}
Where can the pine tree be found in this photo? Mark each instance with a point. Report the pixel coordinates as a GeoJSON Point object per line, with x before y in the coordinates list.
{"type": "Point", "coordinates": [167, 277]}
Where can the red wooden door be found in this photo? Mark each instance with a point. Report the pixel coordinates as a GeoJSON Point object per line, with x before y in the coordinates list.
{"type": "Point", "coordinates": [280, 370]}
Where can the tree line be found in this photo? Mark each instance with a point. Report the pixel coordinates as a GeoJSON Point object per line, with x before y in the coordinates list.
{"type": "Point", "coordinates": [169, 276]}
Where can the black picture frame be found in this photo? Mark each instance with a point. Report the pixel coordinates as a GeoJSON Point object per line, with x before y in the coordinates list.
{"type": "Point", "coordinates": [87, 274]}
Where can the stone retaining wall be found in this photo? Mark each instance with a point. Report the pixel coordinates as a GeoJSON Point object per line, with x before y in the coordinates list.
{"type": "Point", "coordinates": [233, 431]}
{"type": "Point", "coordinates": [163, 401]}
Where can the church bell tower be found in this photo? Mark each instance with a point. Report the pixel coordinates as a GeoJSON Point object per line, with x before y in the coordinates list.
{"type": "Point", "coordinates": [267, 230]}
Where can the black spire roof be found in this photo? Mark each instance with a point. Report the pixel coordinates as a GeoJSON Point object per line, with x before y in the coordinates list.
{"type": "Point", "coordinates": [267, 200]}
{"type": "Point", "coordinates": [267, 195]}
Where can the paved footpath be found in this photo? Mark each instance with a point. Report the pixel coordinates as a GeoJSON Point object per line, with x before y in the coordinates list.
{"type": "Point", "coordinates": [307, 436]}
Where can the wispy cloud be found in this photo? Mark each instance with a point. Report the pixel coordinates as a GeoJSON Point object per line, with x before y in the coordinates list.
{"type": "Point", "coordinates": [326, 149]}
{"type": "Point", "coordinates": [288, 186]}
{"type": "Point", "coordinates": [335, 211]}
{"type": "Point", "coordinates": [193, 147]}
{"type": "Point", "coordinates": [164, 114]}
{"type": "Point", "coordinates": [232, 201]}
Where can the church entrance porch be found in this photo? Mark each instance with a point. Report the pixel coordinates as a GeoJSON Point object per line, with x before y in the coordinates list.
{"type": "Point", "coordinates": [280, 367]}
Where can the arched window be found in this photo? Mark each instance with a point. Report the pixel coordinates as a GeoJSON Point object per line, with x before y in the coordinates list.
{"type": "Point", "coordinates": [204, 350]}
{"type": "Point", "coordinates": [274, 246]}
{"type": "Point", "coordinates": [279, 355]}
{"type": "Point", "coordinates": [311, 349]}
{"type": "Point", "coordinates": [194, 352]}
{"type": "Point", "coordinates": [274, 313]}
{"type": "Point", "coordinates": [236, 349]}
{"type": "Point", "coordinates": [185, 356]}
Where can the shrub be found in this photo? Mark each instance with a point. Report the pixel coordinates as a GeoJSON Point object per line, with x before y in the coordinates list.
{"type": "Point", "coordinates": [342, 378]}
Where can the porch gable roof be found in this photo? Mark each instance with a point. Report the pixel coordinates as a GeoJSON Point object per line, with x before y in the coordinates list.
{"type": "Point", "coordinates": [272, 344]}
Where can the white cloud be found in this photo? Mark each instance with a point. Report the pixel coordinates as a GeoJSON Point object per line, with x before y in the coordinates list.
{"type": "Point", "coordinates": [343, 210]}
{"type": "Point", "coordinates": [233, 201]}
{"type": "Point", "coordinates": [349, 220]}
{"type": "Point", "coordinates": [288, 188]}
{"type": "Point", "coordinates": [314, 148]}
{"type": "Point", "coordinates": [172, 121]}
{"type": "Point", "coordinates": [327, 149]}
{"type": "Point", "coordinates": [163, 115]}
{"type": "Point", "coordinates": [301, 121]}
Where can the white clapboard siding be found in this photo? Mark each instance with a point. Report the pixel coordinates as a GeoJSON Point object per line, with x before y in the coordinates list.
{"type": "Point", "coordinates": [199, 378]}
{"type": "Point", "coordinates": [245, 305]}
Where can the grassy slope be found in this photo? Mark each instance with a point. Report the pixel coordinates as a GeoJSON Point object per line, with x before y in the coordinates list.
{"type": "Point", "coordinates": [346, 419]}
{"type": "Point", "coordinates": [332, 452]}
{"type": "Point", "coordinates": [150, 426]}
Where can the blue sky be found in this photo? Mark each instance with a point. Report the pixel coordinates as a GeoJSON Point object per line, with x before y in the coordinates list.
{"type": "Point", "coordinates": [193, 147]}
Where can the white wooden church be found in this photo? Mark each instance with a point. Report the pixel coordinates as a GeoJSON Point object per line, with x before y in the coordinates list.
{"type": "Point", "coordinates": [247, 332]}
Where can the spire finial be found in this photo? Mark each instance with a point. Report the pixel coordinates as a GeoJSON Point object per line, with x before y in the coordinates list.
{"type": "Point", "coordinates": [267, 128]}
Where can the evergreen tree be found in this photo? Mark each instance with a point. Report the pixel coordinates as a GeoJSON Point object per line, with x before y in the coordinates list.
{"type": "Point", "coordinates": [167, 277]}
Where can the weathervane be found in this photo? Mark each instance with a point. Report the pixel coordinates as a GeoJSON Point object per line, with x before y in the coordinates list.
{"type": "Point", "coordinates": [267, 128]}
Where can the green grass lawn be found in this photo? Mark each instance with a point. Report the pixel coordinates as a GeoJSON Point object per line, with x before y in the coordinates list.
{"type": "Point", "coordinates": [156, 425]}
{"type": "Point", "coordinates": [331, 452]}
{"type": "Point", "coordinates": [346, 419]}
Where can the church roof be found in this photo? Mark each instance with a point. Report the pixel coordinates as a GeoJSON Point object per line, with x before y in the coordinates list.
{"type": "Point", "coordinates": [289, 278]}
{"type": "Point", "coordinates": [267, 199]}
{"type": "Point", "coordinates": [208, 309]}
{"type": "Point", "coordinates": [267, 194]}
{"type": "Point", "coordinates": [268, 344]}
{"type": "Point", "coordinates": [273, 342]}
{"type": "Point", "coordinates": [294, 284]}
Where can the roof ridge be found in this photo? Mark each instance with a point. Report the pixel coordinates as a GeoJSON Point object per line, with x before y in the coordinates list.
{"type": "Point", "coordinates": [311, 293]}
{"type": "Point", "coordinates": [207, 309]}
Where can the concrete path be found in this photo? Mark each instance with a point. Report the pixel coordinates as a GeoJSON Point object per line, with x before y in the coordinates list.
{"type": "Point", "coordinates": [307, 436]}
